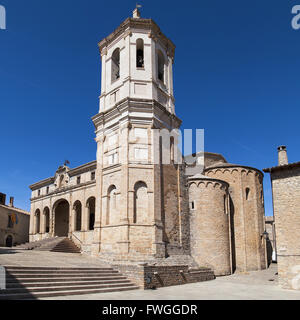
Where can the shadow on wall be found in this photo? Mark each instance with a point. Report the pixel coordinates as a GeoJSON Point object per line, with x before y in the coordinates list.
{"type": "Point", "coordinates": [231, 205]}
{"type": "Point", "coordinates": [269, 251]}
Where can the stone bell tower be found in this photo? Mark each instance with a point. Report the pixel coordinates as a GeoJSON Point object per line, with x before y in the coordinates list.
{"type": "Point", "coordinates": [137, 63]}
{"type": "Point", "coordinates": [132, 221]}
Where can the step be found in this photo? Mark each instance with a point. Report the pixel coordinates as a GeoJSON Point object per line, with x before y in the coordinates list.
{"type": "Point", "coordinates": [18, 296]}
{"type": "Point", "coordinates": [66, 250]}
{"type": "Point", "coordinates": [65, 279]}
{"type": "Point", "coordinates": [63, 288]}
{"type": "Point", "coordinates": [57, 269]}
{"type": "Point", "coordinates": [63, 275]}
{"type": "Point", "coordinates": [50, 272]}
{"type": "Point", "coordinates": [12, 285]}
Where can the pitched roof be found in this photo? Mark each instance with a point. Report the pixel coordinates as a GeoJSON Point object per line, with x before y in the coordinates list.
{"type": "Point", "coordinates": [283, 167]}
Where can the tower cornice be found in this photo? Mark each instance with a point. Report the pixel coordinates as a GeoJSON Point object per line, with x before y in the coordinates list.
{"type": "Point", "coordinates": [145, 24]}
{"type": "Point", "coordinates": [128, 105]}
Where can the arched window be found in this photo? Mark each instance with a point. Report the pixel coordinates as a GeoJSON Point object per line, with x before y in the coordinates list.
{"type": "Point", "coordinates": [115, 65]}
{"type": "Point", "coordinates": [111, 204]}
{"type": "Point", "coordinates": [91, 207]}
{"type": "Point", "coordinates": [140, 202]}
{"type": "Point", "coordinates": [78, 210]}
{"type": "Point", "coordinates": [247, 193]}
{"type": "Point", "coordinates": [160, 66]}
{"type": "Point", "coordinates": [140, 53]}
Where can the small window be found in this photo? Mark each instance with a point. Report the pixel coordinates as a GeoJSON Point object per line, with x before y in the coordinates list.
{"type": "Point", "coordinates": [47, 190]}
{"type": "Point", "coordinates": [115, 65]}
{"type": "Point", "coordinates": [78, 179]}
{"type": "Point", "coordinates": [192, 205]}
{"type": "Point", "coordinates": [247, 193]}
{"type": "Point", "coordinates": [93, 175]}
{"type": "Point", "coordinates": [172, 150]}
{"type": "Point", "coordinates": [140, 53]}
{"type": "Point", "coordinates": [39, 193]}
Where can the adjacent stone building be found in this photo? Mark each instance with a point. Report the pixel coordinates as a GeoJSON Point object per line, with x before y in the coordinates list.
{"type": "Point", "coordinates": [285, 179]}
{"type": "Point", "coordinates": [14, 223]}
{"type": "Point", "coordinates": [140, 201]}
{"type": "Point", "coordinates": [271, 239]}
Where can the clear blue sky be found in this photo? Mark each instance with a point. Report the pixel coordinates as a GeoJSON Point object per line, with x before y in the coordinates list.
{"type": "Point", "coordinates": [236, 74]}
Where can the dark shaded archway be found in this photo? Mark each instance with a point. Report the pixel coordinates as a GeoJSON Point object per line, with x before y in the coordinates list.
{"type": "Point", "coordinates": [91, 212]}
{"type": "Point", "coordinates": [61, 211]}
{"type": "Point", "coordinates": [78, 215]}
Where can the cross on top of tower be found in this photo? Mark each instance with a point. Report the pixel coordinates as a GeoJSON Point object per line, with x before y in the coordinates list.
{"type": "Point", "coordinates": [136, 12]}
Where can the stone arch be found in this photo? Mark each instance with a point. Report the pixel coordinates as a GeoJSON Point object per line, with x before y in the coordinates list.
{"type": "Point", "coordinates": [140, 211]}
{"type": "Point", "coordinates": [37, 220]}
{"type": "Point", "coordinates": [217, 185]}
{"type": "Point", "coordinates": [91, 205]}
{"type": "Point", "coordinates": [61, 210]}
{"type": "Point", "coordinates": [77, 209]}
{"type": "Point", "coordinates": [201, 185]}
{"type": "Point", "coordinates": [46, 226]}
{"type": "Point", "coordinates": [115, 65]}
{"type": "Point", "coordinates": [111, 205]}
{"type": "Point", "coordinates": [193, 185]}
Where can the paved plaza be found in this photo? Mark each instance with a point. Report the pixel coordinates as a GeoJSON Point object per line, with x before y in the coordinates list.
{"type": "Point", "coordinates": [257, 285]}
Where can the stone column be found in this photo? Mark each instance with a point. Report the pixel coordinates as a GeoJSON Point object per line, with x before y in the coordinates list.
{"type": "Point", "coordinates": [70, 224]}
{"type": "Point", "coordinates": [73, 219]}
{"type": "Point", "coordinates": [31, 225]}
{"type": "Point", "coordinates": [86, 217]}
{"type": "Point", "coordinates": [43, 223]}
{"type": "Point", "coordinates": [103, 81]}
{"type": "Point", "coordinates": [96, 246]}
{"type": "Point", "coordinates": [158, 247]}
{"type": "Point", "coordinates": [52, 222]}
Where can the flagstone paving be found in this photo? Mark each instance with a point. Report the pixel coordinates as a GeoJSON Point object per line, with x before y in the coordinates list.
{"type": "Point", "coordinates": [257, 285]}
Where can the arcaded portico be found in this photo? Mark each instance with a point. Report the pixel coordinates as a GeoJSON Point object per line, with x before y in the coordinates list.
{"type": "Point", "coordinates": [64, 205]}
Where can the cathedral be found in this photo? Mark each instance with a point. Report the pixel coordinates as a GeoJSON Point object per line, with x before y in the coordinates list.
{"type": "Point", "coordinates": [131, 207]}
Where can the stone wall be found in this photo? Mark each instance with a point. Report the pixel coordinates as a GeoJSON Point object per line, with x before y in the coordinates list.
{"type": "Point", "coordinates": [271, 241]}
{"type": "Point", "coordinates": [209, 220]}
{"type": "Point", "coordinates": [247, 215]}
{"type": "Point", "coordinates": [19, 231]}
{"type": "Point", "coordinates": [286, 195]}
{"type": "Point", "coordinates": [149, 276]}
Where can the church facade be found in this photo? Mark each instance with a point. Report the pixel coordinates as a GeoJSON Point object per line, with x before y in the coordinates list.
{"type": "Point", "coordinates": [132, 205]}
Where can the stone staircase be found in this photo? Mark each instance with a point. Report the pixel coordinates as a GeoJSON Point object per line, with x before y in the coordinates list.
{"type": "Point", "coordinates": [37, 282]}
{"type": "Point", "coordinates": [65, 245]}
{"type": "Point", "coordinates": [57, 244]}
